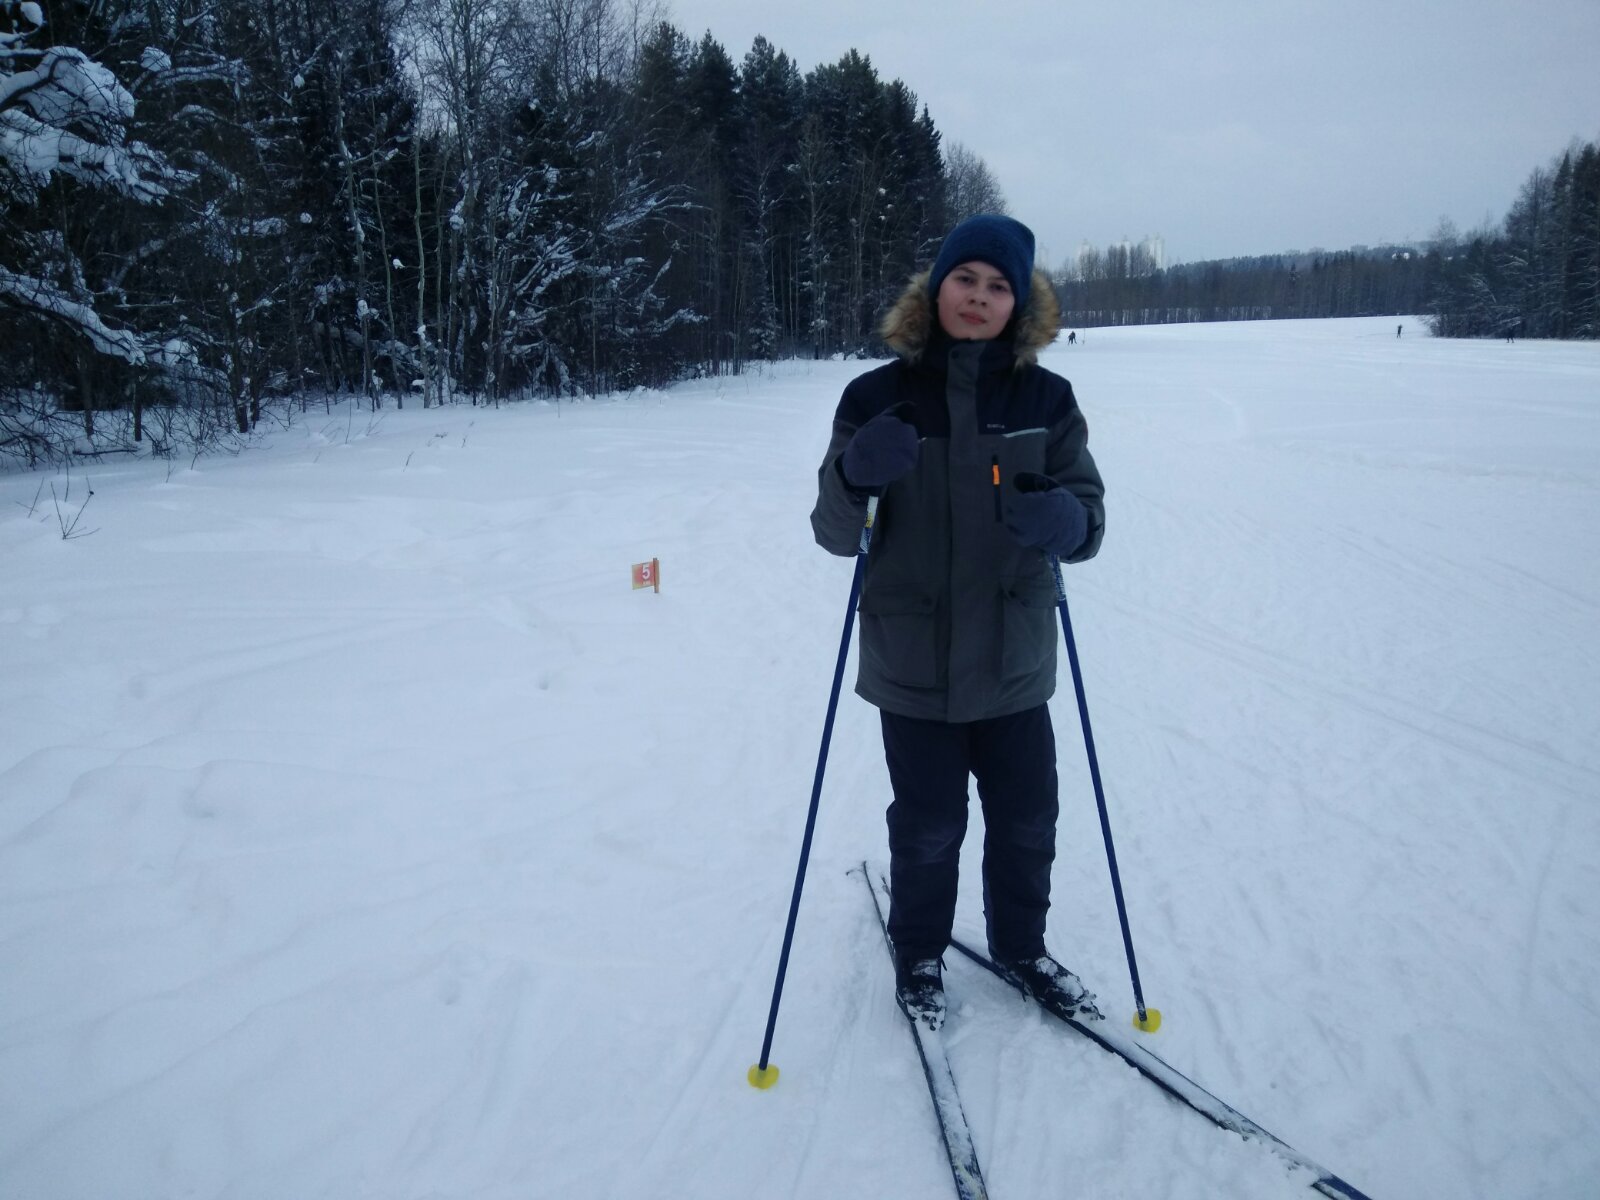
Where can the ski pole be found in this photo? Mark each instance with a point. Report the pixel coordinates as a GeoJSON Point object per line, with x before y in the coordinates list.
{"type": "Point", "coordinates": [1148, 1020]}
{"type": "Point", "coordinates": [763, 1075]}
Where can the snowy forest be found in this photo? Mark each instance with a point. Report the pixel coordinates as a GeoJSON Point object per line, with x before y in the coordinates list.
{"type": "Point", "coordinates": [215, 208]}
{"type": "Point", "coordinates": [1119, 287]}
{"type": "Point", "coordinates": [1538, 275]}
{"type": "Point", "coordinates": [218, 210]}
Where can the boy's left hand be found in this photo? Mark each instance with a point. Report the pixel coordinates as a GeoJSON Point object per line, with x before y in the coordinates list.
{"type": "Point", "coordinates": [1043, 515]}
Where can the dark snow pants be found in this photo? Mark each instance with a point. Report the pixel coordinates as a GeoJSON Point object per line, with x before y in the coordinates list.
{"type": "Point", "coordinates": [1014, 761]}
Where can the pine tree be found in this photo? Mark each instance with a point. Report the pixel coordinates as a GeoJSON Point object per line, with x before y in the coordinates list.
{"type": "Point", "coordinates": [770, 100]}
{"type": "Point", "coordinates": [710, 136]}
{"type": "Point", "coordinates": [72, 178]}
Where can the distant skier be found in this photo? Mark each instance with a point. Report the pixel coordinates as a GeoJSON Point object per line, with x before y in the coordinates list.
{"type": "Point", "coordinates": [958, 622]}
{"type": "Point", "coordinates": [1398, 329]}
{"type": "Point", "coordinates": [1072, 338]}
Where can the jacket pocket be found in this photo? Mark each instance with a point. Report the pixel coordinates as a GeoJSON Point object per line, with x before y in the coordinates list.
{"type": "Point", "coordinates": [900, 637]}
{"type": "Point", "coordinates": [1028, 627]}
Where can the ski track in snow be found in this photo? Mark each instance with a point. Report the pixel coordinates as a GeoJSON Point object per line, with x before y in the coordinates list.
{"type": "Point", "coordinates": [363, 834]}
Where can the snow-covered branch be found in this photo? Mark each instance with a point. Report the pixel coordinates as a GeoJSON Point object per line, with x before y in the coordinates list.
{"type": "Point", "coordinates": [35, 150]}
{"type": "Point", "coordinates": [44, 298]}
{"type": "Point", "coordinates": [68, 86]}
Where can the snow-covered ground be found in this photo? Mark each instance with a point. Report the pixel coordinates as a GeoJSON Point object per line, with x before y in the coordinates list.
{"type": "Point", "coordinates": [364, 834]}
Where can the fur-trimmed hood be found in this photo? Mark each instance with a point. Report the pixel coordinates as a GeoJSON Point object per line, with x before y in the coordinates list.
{"type": "Point", "coordinates": [908, 325]}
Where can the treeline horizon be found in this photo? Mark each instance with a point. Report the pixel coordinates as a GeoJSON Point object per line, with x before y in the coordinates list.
{"type": "Point", "coordinates": [1119, 287]}
{"type": "Point", "coordinates": [218, 209]}
{"type": "Point", "coordinates": [243, 201]}
{"type": "Point", "coordinates": [1536, 275]}
{"type": "Point", "coordinates": [1539, 274]}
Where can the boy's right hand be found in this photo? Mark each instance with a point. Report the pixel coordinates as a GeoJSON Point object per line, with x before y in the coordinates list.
{"type": "Point", "coordinates": [882, 450]}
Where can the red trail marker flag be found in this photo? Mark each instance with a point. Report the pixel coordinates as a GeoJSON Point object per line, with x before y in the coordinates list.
{"type": "Point", "coordinates": [647, 575]}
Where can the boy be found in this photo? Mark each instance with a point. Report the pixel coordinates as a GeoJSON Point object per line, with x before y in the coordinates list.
{"type": "Point", "coordinates": [958, 632]}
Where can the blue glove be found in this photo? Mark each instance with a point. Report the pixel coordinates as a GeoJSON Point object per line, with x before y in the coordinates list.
{"type": "Point", "coordinates": [881, 451]}
{"type": "Point", "coordinates": [1041, 514]}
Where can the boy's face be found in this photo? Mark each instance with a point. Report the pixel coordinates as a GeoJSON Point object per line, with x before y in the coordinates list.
{"type": "Point", "coordinates": [975, 302]}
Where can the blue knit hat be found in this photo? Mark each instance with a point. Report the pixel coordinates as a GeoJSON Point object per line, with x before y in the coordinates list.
{"type": "Point", "coordinates": [1005, 244]}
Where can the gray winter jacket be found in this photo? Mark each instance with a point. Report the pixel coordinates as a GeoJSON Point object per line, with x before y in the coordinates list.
{"type": "Point", "coordinates": [958, 621]}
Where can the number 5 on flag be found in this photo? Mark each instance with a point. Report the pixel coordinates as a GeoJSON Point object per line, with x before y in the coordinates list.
{"type": "Point", "coordinates": [647, 575]}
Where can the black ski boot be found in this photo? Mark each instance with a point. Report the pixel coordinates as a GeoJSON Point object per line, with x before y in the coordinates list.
{"type": "Point", "coordinates": [1052, 986]}
{"type": "Point", "coordinates": [919, 989]}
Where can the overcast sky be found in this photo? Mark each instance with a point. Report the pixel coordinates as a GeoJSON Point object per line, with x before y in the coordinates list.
{"type": "Point", "coordinates": [1229, 127]}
